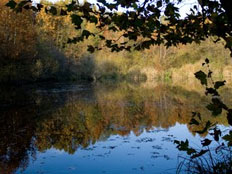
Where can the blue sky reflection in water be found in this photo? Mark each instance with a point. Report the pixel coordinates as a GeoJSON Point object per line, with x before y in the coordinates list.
{"type": "Point", "coordinates": [151, 152]}
{"type": "Point", "coordinates": [94, 128]}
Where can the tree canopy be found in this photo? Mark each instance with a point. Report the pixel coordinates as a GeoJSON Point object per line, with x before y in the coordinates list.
{"type": "Point", "coordinates": [144, 23]}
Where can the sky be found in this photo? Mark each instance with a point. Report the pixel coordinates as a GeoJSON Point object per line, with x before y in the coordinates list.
{"type": "Point", "coordinates": [184, 7]}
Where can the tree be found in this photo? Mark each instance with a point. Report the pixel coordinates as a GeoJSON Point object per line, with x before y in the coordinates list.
{"type": "Point", "coordinates": [141, 21]}
{"type": "Point", "coordinates": [17, 33]}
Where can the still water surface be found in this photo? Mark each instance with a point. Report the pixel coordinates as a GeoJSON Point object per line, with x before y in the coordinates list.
{"type": "Point", "coordinates": [97, 129]}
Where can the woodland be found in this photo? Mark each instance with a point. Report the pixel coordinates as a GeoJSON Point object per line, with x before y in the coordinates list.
{"type": "Point", "coordinates": [117, 41]}
{"type": "Point", "coordinates": [70, 41]}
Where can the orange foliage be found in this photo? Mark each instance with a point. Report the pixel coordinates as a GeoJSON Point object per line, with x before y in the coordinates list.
{"type": "Point", "coordinates": [17, 33]}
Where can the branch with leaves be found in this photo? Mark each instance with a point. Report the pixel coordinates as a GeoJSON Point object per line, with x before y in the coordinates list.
{"type": "Point", "coordinates": [198, 161]}
{"type": "Point", "coordinates": [144, 19]}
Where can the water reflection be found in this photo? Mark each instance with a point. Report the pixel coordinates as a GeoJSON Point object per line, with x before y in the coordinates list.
{"type": "Point", "coordinates": [71, 118]}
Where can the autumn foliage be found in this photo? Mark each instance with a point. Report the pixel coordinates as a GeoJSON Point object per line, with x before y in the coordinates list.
{"type": "Point", "coordinates": [35, 46]}
{"type": "Point", "coordinates": [17, 33]}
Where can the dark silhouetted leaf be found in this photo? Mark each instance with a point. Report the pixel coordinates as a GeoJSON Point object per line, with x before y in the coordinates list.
{"type": "Point", "coordinates": [216, 106]}
{"type": "Point", "coordinates": [206, 142]}
{"type": "Point", "coordinates": [63, 12]}
{"type": "Point", "coordinates": [93, 19]}
{"type": "Point", "coordinates": [202, 152]}
{"type": "Point", "coordinates": [211, 91]}
{"type": "Point", "coordinates": [12, 4]}
{"type": "Point", "coordinates": [217, 133]}
{"type": "Point", "coordinates": [228, 138]}
{"type": "Point", "coordinates": [76, 20]}
{"type": "Point", "coordinates": [159, 3]}
{"type": "Point", "coordinates": [86, 34]}
{"type": "Point", "coordinates": [200, 75]}
{"type": "Point", "coordinates": [91, 49]}
{"type": "Point", "coordinates": [184, 146]}
{"type": "Point", "coordinates": [214, 109]}
{"type": "Point", "coordinates": [218, 84]}
{"type": "Point", "coordinates": [53, 10]}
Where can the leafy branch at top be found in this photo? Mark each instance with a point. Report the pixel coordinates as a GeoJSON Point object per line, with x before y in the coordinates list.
{"type": "Point", "coordinates": [156, 21]}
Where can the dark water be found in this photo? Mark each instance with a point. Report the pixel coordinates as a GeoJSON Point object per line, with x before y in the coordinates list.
{"type": "Point", "coordinates": [95, 128]}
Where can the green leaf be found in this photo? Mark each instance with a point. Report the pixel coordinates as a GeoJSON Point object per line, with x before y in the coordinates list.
{"type": "Point", "coordinates": [86, 34]}
{"type": "Point", "coordinates": [93, 19]}
{"type": "Point", "coordinates": [216, 106]}
{"type": "Point", "coordinates": [70, 6]}
{"type": "Point", "coordinates": [200, 75]}
{"type": "Point", "coordinates": [206, 142]}
{"type": "Point", "coordinates": [53, 10]}
{"type": "Point", "coordinates": [228, 138]}
{"type": "Point", "coordinates": [184, 146]}
{"type": "Point", "coordinates": [159, 3]}
{"type": "Point", "coordinates": [76, 20]}
{"type": "Point", "coordinates": [63, 12]}
{"type": "Point", "coordinates": [214, 109]}
{"type": "Point", "coordinates": [216, 134]}
{"type": "Point", "coordinates": [91, 49]}
{"type": "Point", "coordinates": [211, 91]}
{"type": "Point", "coordinates": [12, 4]}
{"type": "Point", "coordinates": [219, 84]}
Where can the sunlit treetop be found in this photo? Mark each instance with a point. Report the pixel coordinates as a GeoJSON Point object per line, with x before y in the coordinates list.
{"type": "Point", "coordinates": [143, 23]}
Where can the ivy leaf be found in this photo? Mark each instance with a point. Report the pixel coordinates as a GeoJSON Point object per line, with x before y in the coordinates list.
{"type": "Point", "coordinates": [184, 146]}
{"type": "Point", "coordinates": [91, 49]}
{"type": "Point", "coordinates": [215, 109]}
{"type": "Point", "coordinates": [159, 4]}
{"type": "Point", "coordinates": [206, 142]}
{"type": "Point", "coordinates": [86, 34]}
{"type": "Point", "coordinates": [39, 6]}
{"type": "Point", "coordinates": [76, 20]}
{"type": "Point", "coordinates": [216, 106]}
{"type": "Point", "coordinates": [219, 84]}
{"type": "Point", "coordinates": [200, 75]}
{"type": "Point", "coordinates": [53, 10]}
{"type": "Point", "coordinates": [211, 91]}
{"type": "Point", "coordinates": [12, 4]}
{"type": "Point", "coordinates": [63, 12]}
{"type": "Point", "coordinates": [93, 19]}
{"type": "Point", "coordinates": [217, 134]}
{"type": "Point", "coordinates": [228, 138]}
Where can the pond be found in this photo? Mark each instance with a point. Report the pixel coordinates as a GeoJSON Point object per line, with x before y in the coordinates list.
{"type": "Point", "coordinates": [98, 128]}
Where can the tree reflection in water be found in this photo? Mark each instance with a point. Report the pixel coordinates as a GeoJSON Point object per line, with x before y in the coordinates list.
{"type": "Point", "coordinates": [67, 117]}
